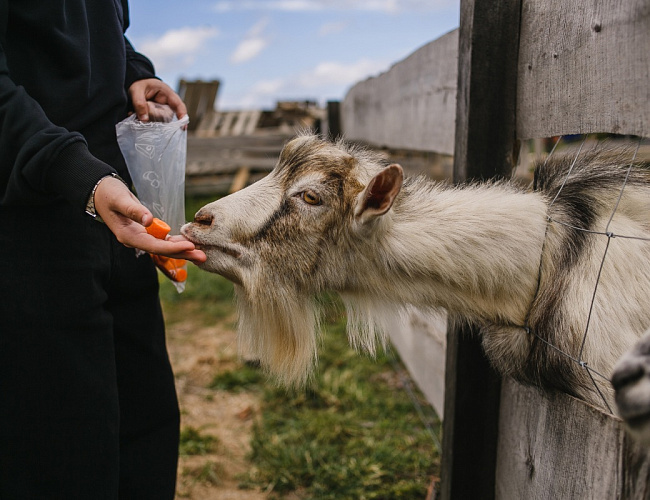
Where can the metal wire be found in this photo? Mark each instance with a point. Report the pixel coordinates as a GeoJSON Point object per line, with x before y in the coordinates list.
{"type": "Point", "coordinates": [579, 360]}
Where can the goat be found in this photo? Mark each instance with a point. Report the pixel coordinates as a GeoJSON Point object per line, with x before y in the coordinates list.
{"type": "Point", "coordinates": [337, 217]}
{"type": "Point", "coordinates": [631, 381]}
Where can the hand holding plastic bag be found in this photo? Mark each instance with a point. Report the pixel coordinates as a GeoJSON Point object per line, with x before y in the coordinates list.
{"type": "Point", "coordinates": [155, 154]}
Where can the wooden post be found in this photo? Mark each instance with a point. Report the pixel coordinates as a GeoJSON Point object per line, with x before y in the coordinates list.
{"type": "Point", "coordinates": [333, 120]}
{"type": "Point", "coordinates": [485, 147]}
{"type": "Point", "coordinates": [199, 97]}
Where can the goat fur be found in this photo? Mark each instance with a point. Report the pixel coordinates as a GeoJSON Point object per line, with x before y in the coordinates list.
{"type": "Point", "coordinates": [336, 217]}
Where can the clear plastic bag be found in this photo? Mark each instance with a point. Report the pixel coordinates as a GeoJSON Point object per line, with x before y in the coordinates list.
{"type": "Point", "coordinates": [155, 154]}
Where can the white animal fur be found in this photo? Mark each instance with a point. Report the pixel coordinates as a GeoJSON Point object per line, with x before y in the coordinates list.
{"type": "Point", "coordinates": [478, 251]}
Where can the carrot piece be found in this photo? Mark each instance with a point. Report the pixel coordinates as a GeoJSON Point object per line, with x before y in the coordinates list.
{"type": "Point", "coordinates": [172, 268]}
{"type": "Point", "coordinates": [158, 228]}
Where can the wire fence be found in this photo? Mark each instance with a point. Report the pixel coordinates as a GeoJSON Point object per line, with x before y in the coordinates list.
{"type": "Point", "coordinates": [606, 233]}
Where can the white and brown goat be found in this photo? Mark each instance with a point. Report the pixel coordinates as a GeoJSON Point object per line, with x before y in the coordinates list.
{"type": "Point", "coordinates": [335, 217]}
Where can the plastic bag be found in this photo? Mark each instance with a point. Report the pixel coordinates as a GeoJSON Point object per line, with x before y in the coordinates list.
{"type": "Point", "coordinates": [155, 154]}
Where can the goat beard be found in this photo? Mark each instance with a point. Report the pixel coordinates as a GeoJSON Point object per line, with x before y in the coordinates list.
{"type": "Point", "coordinates": [280, 327]}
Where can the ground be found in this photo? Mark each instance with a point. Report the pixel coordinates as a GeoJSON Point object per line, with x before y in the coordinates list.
{"type": "Point", "coordinates": [198, 353]}
{"type": "Point", "coordinates": [353, 434]}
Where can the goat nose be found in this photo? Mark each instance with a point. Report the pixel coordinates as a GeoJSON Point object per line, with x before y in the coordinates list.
{"type": "Point", "coordinates": [627, 374]}
{"type": "Point", "coordinates": [203, 218]}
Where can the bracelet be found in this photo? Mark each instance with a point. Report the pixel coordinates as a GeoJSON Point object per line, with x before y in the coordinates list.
{"type": "Point", "coordinates": [90, 205]}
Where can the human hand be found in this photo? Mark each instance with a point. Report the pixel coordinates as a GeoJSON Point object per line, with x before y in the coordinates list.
{"type": "Point", "coordinates": [127, 218]}
{"type": "Point", "coordinates": [159, 112]}
{"type": "Point", "coordinates": [153, 90]}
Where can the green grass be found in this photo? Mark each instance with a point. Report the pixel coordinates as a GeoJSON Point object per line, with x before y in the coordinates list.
{"type": "Point", "coordinates": [193, 442]}
{"type": "Point", "coordinates": [207, 297]}
{"type": "Point", "coordinates": [352, 434]}
{"type": "Point", "coordinates": [246, 377]}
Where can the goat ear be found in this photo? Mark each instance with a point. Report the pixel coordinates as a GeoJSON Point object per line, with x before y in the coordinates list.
{"type": "Point", "coordinates": [379, 195]}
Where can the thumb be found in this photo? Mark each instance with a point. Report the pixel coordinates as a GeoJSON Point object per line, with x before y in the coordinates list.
{"type": "Point", "coordinates": [137, 212]}
{"type": "Point", "coordinates": [112, 196]}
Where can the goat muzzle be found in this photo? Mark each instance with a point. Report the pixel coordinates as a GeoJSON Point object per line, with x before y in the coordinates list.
{"type": "Point", "coordinates": [203, 218]}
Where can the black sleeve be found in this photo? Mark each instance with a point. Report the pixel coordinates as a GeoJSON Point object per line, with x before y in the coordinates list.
{"type": "Point", "coordinates": [138, 67]}
{"type": "Point", "coordinates": [39, 161]}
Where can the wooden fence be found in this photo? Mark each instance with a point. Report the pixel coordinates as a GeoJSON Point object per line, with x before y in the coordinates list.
{"type": "Point", "coordinates": [515, 70]}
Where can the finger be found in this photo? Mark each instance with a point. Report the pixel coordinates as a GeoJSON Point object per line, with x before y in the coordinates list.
{"type": "Point", "coordinates": [177, 104]}
{"type": "Point", "coordinates": [134, 210]}
{"type": "Point", "coordinates": [166, 95]}
{"type": "Point", "coordinates": [194, 256]}
{"type": "Point", "coordinates": [113, 199]}
{"type": "Point", "coordinates": [139, 101]}
{"type": "Point", "coordinates": [168, 248]}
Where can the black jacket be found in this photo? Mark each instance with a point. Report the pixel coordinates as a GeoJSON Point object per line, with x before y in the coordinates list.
{"type": "Point", "coordinates": [65, 67]}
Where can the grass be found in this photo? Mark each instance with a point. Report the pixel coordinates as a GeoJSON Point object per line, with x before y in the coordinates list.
{"type": "Point", "coordinates": [192, 442]}
{"type": "Point", "coordinates": [248, 377]}
{"type": "Point", "coordinates": [352, 434]}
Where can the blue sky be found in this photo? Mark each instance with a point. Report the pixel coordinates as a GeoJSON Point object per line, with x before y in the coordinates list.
{"type": "Point", "coordinates": [269, 50]}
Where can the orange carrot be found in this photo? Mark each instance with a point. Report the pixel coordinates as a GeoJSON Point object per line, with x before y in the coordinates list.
{"type": "Point", "coordinates": [172, 268]}
{"type": "Point", "coordinates": [158, 228]}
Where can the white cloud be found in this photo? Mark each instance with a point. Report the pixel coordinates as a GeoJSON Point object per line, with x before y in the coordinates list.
{"type": "Point", "coordinates": [178, 47]}
{"type": "Point", "coordinates": [252, 45]}
{"type": "Point", "coordinates": [332, 28]}
{"type": "Point", "coordinates": [334, 73]}
{"type": "Point", "coordinates": [389, 6]}
{"type": "Point", "coordinates": [332, 77]}
{"type": "Point", "coordinates": [248, 49]}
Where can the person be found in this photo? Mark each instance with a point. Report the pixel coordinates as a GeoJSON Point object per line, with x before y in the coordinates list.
{"type": "Point", "coordinates": [88, 408]}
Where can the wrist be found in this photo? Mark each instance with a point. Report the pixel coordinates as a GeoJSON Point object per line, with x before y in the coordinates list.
{"type": "Point", "coordinates": [91, 210]}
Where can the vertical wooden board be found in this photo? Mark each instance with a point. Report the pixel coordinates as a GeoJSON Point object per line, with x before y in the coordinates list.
{"type": "Point", "coordinates": [420, 340]}
{"type": "Point", "coordinates": [484, 147]}
{"type": "Point", "coordinates": [410, 106]}
{"type": "Point", "coordinates": [470, 419]}
{"type": "Point", "coordinates": [584, 67]}
{"type": "Point", "coordinates": [554, 446]}
{"type": "Point", "coordinates": [636, 470]}
{"type": "Point", "coordinates": [333, 121]}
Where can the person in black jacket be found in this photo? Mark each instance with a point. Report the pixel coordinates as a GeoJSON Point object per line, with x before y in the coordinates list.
{"type": "Point", "coordinates": [88, 408]}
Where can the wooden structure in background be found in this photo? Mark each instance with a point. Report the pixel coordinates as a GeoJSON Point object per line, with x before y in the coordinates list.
{"type": "Point", "coordinates": [199, 97]}
{"type": "Point", "coordinates": [228, 150]}
{"type": "Point", "coordinates": [213, 163]}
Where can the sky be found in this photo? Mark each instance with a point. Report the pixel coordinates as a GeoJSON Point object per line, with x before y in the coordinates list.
{"type": "Point", "coordinates": [263, 51]}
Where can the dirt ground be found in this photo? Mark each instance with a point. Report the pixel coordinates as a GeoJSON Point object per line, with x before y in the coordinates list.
{"type": "Point", "coordinates": [197, 355]}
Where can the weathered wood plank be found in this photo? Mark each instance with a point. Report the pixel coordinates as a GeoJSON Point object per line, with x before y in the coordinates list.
{"type": "Point", "coordinates": [584, 67]}
{"type": "Point", "coordinates": [484, 146]}
{"type": "Point", "coordinates": [421, 343]}
{"type": "Point", "coordinates": [552, 445]}
{"type": "Point", "coordinates": [230, 142]}
{"type": "Point", "coordinates": [412, 105]}
{"type": "Point", "coordinates": [215, 185]}
{"type": "Point", "coordinates": [199, 97]}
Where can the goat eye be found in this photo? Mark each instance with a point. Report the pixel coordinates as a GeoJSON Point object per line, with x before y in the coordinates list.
{"type": "Point", "coordinates": [310, 197]}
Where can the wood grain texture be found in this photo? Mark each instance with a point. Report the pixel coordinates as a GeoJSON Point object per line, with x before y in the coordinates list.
{"type": "Point", "coordinates": [410, 106]}
{"type": "Point", "coordinates": [584, 67]}
{"type": "Point", "coordinates": [552, 445]}
{"type": "Point", "coordinates": [484, 146]}
{"type": "Point", "coordinates": [421, 344]}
